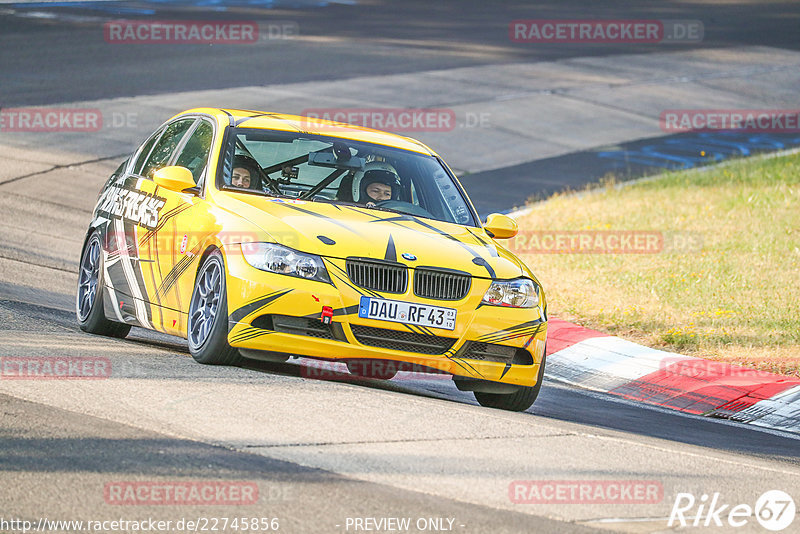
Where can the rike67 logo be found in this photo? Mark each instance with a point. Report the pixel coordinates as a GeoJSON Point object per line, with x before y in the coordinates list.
{"type": "Point", "coordinates": [774, 510]}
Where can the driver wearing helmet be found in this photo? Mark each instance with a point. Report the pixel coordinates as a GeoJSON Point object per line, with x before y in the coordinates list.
{"type": "Point", "coordinates": [376, 183]}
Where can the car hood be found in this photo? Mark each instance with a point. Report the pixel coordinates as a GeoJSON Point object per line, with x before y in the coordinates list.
{"type": "Point", "coordinates": [340, 231]}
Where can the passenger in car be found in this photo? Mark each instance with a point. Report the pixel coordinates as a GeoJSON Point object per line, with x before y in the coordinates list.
{"type": "Point", "coordinates": [245, 173]}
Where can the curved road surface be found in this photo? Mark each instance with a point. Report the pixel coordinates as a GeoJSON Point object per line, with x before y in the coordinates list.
{"type": "Point", "coordinates": [335, 455]}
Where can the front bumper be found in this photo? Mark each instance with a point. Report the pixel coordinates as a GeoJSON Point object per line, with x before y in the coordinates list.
{"type": "Point", "coordinates": [490, 343]}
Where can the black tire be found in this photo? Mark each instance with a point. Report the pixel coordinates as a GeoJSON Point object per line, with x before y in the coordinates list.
{"type": "Point", "coordinates": [377, 369]}
{"type": "Point", "coordinates": [89, 297]}
{"type": "Point", "coordinates": [518, 401]}
{"type": "Point", "coordinates": [207, 327]}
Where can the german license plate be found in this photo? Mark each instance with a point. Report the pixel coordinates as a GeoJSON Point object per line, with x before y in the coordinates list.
{"type": "Point", "coordinates": [407, 312]}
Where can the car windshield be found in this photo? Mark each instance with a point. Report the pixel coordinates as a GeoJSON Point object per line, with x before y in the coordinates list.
{"type": "Point", "coordinates": [343, 171]}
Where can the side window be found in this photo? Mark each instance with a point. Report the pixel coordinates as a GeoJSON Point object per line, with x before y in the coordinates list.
{"type": "Point", "coordinates": [194, 155]}
{"type": "Point", "coordinates": [148, 146]}
{"type": "Point", "coordinates": [165, 146]}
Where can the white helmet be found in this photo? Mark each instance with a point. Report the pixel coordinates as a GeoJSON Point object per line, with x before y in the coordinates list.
{"type": "Point", "coordinates": [375, 171]}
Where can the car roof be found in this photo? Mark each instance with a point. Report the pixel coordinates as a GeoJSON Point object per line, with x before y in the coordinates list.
{"type": "Point", "coordinates": [295, 123]}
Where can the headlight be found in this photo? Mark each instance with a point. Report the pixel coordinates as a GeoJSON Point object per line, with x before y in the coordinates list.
{"type": "Point", "coordinates": [518, 293]}
{"type": "Point", "coordinates": [284, 260]}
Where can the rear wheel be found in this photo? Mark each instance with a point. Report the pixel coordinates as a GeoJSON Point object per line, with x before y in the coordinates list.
{"type": "Point", "coordinates": [207, 329]}
{"type": "Point", "coordinates": [89, 299]}
{"type": "Point", "coordinates": [518, 401]}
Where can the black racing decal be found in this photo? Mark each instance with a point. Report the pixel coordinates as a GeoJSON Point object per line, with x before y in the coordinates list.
{"type": "Point", "coordinates": [508, 337]}
{"type": "Point", "coordinates": [240, 313]}
{"type": "Point", "coordinates": [484, 264]}
{"type": "Point", "coordinates": [380, 218]}
{"type": "Point", "coordinates": [391, 253]}
{"type": "Point", "coordinates": [178, 270]}
{"type": "Point", "coordinates": [505, 370]}
{"type": "Point", "coordinates": [155, 284]}
{"type": "Point", "coordinates": [314, 214]}
{"type": "Point", "coordinates": [393, 218]}
{"type": "Point", "coordinates": [530, 328]}
{"type": "Point", "coordinates": [427, 330]}
{"type": "Point", "coordinates": [478, 238]}
{"type": "Point", "coordinates": [412, 328]}
{"type": "Point", "coordinates": [464, 364]}
{"type": "Point", "coordinates": [248, 333]}
{"type": "Point", "coordinates": [136, 266]}
{"type": "Point", "coordinates": [257, 115]}
{"type": "Point", "coordinates": [153, 253]}
{"type": "Point", "coordinates": [172, 255]}
{"type": "Point", "coordinates": [163, 219]}
{"type": "Point", "coordinates": [478, 260]}
{"type": "Point", "coordinates": [487, 245]}
{"type": "Point", "coordinates": [118, 202]}
{"type": "Point", "coordinates": [355, 288]}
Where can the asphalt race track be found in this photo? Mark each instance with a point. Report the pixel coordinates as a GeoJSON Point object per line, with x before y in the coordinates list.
{"type": "Point", "coordinates": [326, 453]}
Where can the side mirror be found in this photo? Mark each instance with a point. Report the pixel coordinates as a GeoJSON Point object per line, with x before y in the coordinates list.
{"type": "Point", "coordinates": [501, 226]}
{"type": "Point", "coordinates": [174, 178]}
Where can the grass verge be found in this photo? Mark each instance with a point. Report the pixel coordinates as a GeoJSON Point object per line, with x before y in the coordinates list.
{"type": "Point", "coordinates": [715, 274]}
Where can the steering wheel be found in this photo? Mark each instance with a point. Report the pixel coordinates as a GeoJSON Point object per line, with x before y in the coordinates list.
{"type": "Point", "coordinates": [404, 207]}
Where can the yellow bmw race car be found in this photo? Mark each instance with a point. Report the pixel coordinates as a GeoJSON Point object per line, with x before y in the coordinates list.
{"type": "Point", "coordinates": [266, 236]}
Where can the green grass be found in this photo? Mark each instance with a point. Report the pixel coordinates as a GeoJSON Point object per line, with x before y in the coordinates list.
{"type": "Point", "coordinates": [735, 298]}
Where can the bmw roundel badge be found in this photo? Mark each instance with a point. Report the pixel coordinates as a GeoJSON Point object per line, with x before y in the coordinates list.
{"type": "Point", "coordinates": [409, 257]}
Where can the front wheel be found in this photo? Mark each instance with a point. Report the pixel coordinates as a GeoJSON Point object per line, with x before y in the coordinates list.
{"type": "Point", "coordinates": [89, 299]}
{"type": "Point", "coordinates": [207, 328]}
{"type": "Point", "coordinates": [519, 401]}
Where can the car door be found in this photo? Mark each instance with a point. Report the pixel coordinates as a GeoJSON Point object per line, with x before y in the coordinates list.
{"type": "Point", "coordinates": [174, 247]}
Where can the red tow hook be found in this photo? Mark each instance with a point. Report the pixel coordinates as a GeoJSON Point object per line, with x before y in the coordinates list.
{"type": "Point", "coordinates": [327, 315]}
